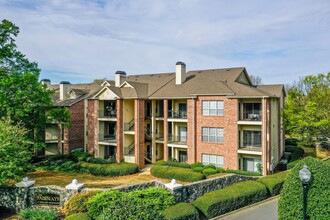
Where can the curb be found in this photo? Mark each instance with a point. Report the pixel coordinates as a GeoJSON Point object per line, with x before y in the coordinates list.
{"type": "Point", "coordinates": [246, 207]}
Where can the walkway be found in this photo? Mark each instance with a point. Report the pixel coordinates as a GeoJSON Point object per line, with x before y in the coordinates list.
{"type": "Point", "coordinates": [264, 210]}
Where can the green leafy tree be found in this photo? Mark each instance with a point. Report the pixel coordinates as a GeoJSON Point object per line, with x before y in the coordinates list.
{"type": "Point", "coordinates": [14, 154]}
{"type": "Point", "coordinates": [307, 109]}
{"type": "Point", "coordinates": [61, 116]}
{"type": "Point", "coordinates": [21, 95]}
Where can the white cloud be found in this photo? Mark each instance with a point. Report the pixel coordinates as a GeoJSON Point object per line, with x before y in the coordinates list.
{"type": "Point", "coordinates": [277, 40]}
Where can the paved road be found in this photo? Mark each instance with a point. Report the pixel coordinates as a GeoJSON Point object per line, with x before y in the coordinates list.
{"type": "Point", "coordinates": [265, 210]}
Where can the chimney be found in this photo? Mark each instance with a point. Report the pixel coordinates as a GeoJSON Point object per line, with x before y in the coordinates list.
{"type": "Point", "coordinates": [64, 89]}
{"type": "Point", "coordinates": [45, 82]}
{"type": "Point", "coordinates": [120, 77]}
{"type": "Point", "coordinates": [180, 72]}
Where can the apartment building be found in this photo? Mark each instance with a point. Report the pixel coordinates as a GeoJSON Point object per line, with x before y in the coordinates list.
{"type": "Point", "coordinates": [73, 97]}
{"type": "Point", "coordinates": [211, 116]}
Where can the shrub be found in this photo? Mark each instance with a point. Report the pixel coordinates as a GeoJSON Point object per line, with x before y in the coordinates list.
{"type": "Point", "coordinates": [274, 183]}
{"type": "Point", "coordinates": [291, 141]}
{"type": "Point", "coordinates": [79, 156]}
{"type": "Point", "coordinates": [209, 171]}
{"type": "Point", "coordinates": [78, 216]}
{"type": "Point", "coordinates": [230, 198]}
{"type": "Point", "coordinates": [243, 172]}
{"type": "Point", "coordinates": [198, 164]}
{"type": "Point", "coordinates": [173, 164]}
{"type": "Point", "coordinates": [290, 202]}
{"type": "Point", "coordinates": [116, 169]}
{"type": "Point", "coordinates": [296, 154]}
{"type": "Point", "coordinates": [139, 204]}
{"type": "Point", "coordinates": [324, 145]}
{"type": "Point", "coordinates": [36, 214]}
{"type": "Point", "coordinates": [77, 203]}
{"type": "Point", "coordinates": [220, 170]}
{"type": "Point", "coordinates": [210, 166]}
{"type": "Point", "coordinates": [181, 211]}
{"type": "Point", "coordinates": [182, 174]}
{"type": "Point", "coordinates": [198, 169]}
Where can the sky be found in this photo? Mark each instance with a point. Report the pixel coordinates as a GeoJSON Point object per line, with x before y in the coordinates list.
{"type": "Point", "coordinates": [82, 40]}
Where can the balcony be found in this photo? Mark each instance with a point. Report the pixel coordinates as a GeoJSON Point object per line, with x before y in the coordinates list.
{"type": "Point", "coordinates": [159, 137]}
{"type": "Point", "coordinates": [160, 114]}
{"type": "Point", "coordinates": [177, 114]}
{"type": "Point", "coordinates": [251, 116]}
{"type": "Point", "coordinates": [108, 138]}
{"type": "Point", "coordinates": [178, 140]}
{"type": "Point", "coordinates": [107, 113]}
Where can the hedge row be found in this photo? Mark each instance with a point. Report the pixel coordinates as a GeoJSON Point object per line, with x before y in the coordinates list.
{"type": "Point", "coordinates": [115, 169]}
{"type": "Point", "coordinates": [274, 183]}
{"type": "Point", "coordinates": [243, 172]}
{"type": "Point", "coordinates": [178, 173]}
{"type": "Point", "coordinates": [230, 198]}
{"type": "Point", "coordinates": [77, 202]}
{"type": "Point", "coordinates": [78, 216]}
{"type": "Point", "coordinates": [173, 164]}
{"type": "Point", "coordinates": [181, 211]}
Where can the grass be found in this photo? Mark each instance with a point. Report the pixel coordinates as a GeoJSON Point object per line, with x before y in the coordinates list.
{"type": "Point", "coordinates": [50, 177]}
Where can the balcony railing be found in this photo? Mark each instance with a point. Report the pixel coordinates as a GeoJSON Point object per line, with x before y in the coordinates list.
{"type": "Point", "coordinates": [251, 148]}
{"type": "Point", "coordinates": [252, 116]}
{"type": "Point", "coordinates": [160, 114]}
{"type": "Point", "coordinates": [159, 137]}
{"type": "Point", "coordinates": [107, 138]}
{"type": "Point", "coordinates": [180, 140]}
{"type": "Point", "coordinates": [177, 114]}
{"type": "Point", "coordinates": [107, 113]}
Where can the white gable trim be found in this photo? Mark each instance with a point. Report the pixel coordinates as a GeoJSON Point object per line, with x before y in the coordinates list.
{"type": "Point", "coordinates": [102, 91]}
{"type": "Point", "coordinates": [105, 83]}
{"type": "Point", "coordinates": [126, 84]}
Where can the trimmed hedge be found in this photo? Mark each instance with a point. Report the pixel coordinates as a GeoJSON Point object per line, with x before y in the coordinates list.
{"type": "Point", "coordinates": [274, 183]}
{"type": "Point", "coordinates": [173, 164]}
{"type": "Point", "coordinates": [197, 164]}
{"type": "Point", "coordinates": [181, 211]}
{"type": "Point", "coordinates": [220, 170]}
{"type": "Point", "coordinates": [290, 202]}
{"type": "Point", "coordinates": [198, 169]}
{"type": "Point", "coordinates": [115, 169]}
{"type": "Point", "coordinates": [292, 141]}
{"type": "Point", "coordinates": [140, 204]}
{"type": "Point", "coordinates": [77, 203]}
{"type": "Point", "coordinates": [209, 171]}
{"type": "Point", "coordinates": [182, 174]}
{"type": "Point", "coordinates": [78, 216]}
{"type": "Point", "coordinates": [221, 201]}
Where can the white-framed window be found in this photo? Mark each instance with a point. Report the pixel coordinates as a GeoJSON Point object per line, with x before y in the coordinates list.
{"type": "Point", "coordinates": [216, 160]}
{"type": "Point", "coordinates": [214, 135]}
{"type": "Point", "coordinates": [213, 108]}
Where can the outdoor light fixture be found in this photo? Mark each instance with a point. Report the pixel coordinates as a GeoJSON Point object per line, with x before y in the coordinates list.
{"type": "Point", "coordinates": [305, 176]}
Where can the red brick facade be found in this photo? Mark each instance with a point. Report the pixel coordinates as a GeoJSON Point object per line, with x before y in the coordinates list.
{"type": "Point", "coordinates": [139, 129]}
{"type": "Point", "coordinates": [120, 129]}
{"type": "Point", "coordinates": [228, 122]}
{"type": "Point", "coordinates": [92, 126]}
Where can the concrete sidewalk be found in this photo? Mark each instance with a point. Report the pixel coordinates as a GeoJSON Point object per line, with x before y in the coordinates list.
{"type": "Point", "coordinates": [266, 209]}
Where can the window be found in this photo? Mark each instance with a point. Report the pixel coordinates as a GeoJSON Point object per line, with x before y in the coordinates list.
{"type": "Point", "coordinates": [213, 108]}
{"type": "Point", "coordinates": [252, 138]}
{"type": "Point", "coordinates": [214, 135]}
{"type": "Point", "coordinates": [216, 160]}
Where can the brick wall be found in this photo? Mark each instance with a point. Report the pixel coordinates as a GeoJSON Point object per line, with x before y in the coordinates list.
{"type": "Point", "coordinates": [92, 125]}
{"type": "Point", "coordinates": [76, 130]}
{"type": "Point", "coordinates": [139, 132]}
{"type": "Point", "coordinates": [119, 151]}
{"type": "Point", "coordinates": [191, 126]}
{"type": "Point", "coordinates": [228, 122]}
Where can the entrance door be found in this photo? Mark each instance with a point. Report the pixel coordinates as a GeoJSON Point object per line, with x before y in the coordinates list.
{"type": "Point", "coordinates": [182, 156]}
{"type": "Point", "coordinates": [182, 134]}
{"type": "Point", "coordinates": [248, 164]}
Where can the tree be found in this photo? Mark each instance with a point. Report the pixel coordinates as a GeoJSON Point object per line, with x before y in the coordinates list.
{"type": "Point", "coordinates": [307, 109]}
{"type": "Point", "coordinates": [99, 81]}
{"type": "Point", "coordinates": [14, 154]}
{"type": "Point", "coordinates": [21, 95]}
{"type": "Point", "coordinates": [61, 116]}
{"type": "Point", "coordinates": [256, 80]}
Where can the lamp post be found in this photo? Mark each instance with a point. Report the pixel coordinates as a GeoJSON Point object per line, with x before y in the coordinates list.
{"type": "Point", "coordinates": [304, 176]}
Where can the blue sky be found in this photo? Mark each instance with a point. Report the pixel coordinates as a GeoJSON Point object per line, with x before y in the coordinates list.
{"type": "Point", "coordinates": [79, 41]}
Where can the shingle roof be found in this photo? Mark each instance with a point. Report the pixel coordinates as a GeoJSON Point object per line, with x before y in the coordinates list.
{"type": "Point", "coordinates": [231, 82]}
